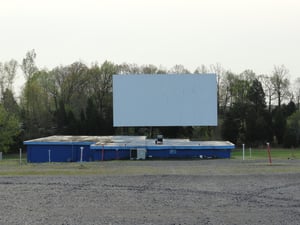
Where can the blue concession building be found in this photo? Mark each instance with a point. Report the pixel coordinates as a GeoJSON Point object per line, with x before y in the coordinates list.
{"type": "Point", "coordinates": [97, 148]}
{"type": "Point", "coordinates": [60, 149]}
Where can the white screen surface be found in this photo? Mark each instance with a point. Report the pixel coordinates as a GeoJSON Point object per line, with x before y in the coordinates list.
{"type": "Point", "coordinates": [164, 100]}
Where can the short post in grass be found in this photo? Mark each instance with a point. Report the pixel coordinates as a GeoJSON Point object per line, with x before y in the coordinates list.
{"type": "Point", "coordinates": [269, 153]}
{"type": "Point", "coordinates": [243, 151]}
{"type": "Point", "coordinates": [250, 152]}
{"type": "Point", "coordinates": [20, 150]}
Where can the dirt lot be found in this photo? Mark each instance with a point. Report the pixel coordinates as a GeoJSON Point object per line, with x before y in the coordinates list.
{"type": "Point", "coordinates": [173, 192]}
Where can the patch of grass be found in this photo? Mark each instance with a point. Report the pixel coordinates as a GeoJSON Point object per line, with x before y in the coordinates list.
{"type": "Point", "coordinates": [276, 153]}
{"type": "Point", "coordinates": [257, 164]}
{"type": "Point", "coordinates": [14, 156]}
{"type": "Point", "coordinates": [125, 168]}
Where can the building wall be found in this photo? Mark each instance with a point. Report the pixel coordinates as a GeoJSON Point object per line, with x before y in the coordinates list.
{"type": "Point", "coordinates": [189, 153]}
{"type": "Point", "coordinates": [164, 153]}
{"type": "Point", "coordinates": [110, 154]}
{"type": "Point", "coordinates": [58, 153]}
{"type": "Point", "coordinates": [65, 151]}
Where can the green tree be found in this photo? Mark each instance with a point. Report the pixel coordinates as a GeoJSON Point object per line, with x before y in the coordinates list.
{"type": "Point", "coordinates": [280, 83]}
{"type": "Point", "coordinates": [10, 68]}
{"type": "Point", "coordinates": [219, 71]}
{"type": "Point", "coordinates": [240, 86]}
{"type": "Point", "coordinates": [292, 134]}
{"type": "Point", "coordinates": [289, 109]}
{"type": "Point", "coordinates": [258, 129]}
{"type": "Point", "coordinates": [279, 124]}
{"type": "Point", "coordinates": [37, 107]}
{"type": "Point", "coordinates": [9, 103]}
{"type": "Point", "coordinates": [100, 85]}
{"type": "Point", "coordinates": [8, 72]}
{"type": "Point", "coordinates": [225, 91]}
{"type": "Point", "coordinates": [149, 69]}
{"type": "Point", "coordinates": [246, 121]}
{"type": "Point", "coordinates": [9, 129]}
{"type": "Point", "coordinates": [256, 96]}
{"type": "Point", "coordinates": [127, 68]}
{"type": "Point", "coordinates": [28, 65]}
{"type": "Point", "coordinates": [201, 70]}
{"type": "Point", "coordinates": [68, 87]}
{"type": "Point", "coordinates": [73, 125]}
{"type": "Point", "coordinates": [268, 89]}
{"type": "Point", "coordinates": [297, 91]}
{"type": "Point", "coordinates": [234, 89]}
{"type": "Point", "coordinates": [230, 126]}
{"type": "Point", "coordinates": [92, 118]}
{"type": "Point", "coordinates": [179, 69]}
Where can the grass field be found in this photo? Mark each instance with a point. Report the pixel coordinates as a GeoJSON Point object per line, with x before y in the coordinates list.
{"type": "Point", "coordinates": [276, 153]}
{"type": "Point", "coordinates": [283, 161]}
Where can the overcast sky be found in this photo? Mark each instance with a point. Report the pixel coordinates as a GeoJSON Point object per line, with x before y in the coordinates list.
{"type": "Point", "coordinates": [239, 34]}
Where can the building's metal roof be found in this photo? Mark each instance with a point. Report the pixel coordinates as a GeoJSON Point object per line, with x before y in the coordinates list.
{"type": "Point", "coordinates": [58, 138]}
{"type": "Point", "coordinates": [98, 142]}
{"type": "Point", "coordinates": [141, 141]}
{"type": "Point", "coordinates": [186, 144]}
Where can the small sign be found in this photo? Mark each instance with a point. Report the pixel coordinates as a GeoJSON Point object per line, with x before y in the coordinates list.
{"type": "Point", "coordinates": [172, 152]}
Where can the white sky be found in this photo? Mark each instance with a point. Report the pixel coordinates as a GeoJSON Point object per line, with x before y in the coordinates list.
{"type": "Point", "coordinates": [239, 34]}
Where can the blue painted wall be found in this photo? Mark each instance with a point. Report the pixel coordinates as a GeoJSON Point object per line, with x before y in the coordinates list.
{"type": "Point", "coordinates": [58, 153]}
{"type": "Point", "coordinates": [163, 152]}
{"type": "Point", "coordinates": [188, 153]}
{"type": "Point", "coordinates": [70, 152]}
{"type": "Point", "coordinates": [111, 154]}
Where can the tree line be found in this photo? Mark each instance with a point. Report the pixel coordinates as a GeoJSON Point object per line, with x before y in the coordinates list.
{"type": "Point", "coordinates": [76, 99]}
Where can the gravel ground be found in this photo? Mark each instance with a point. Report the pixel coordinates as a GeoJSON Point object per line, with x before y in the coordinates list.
{"type": "Point", "coordinates": [152, 199]}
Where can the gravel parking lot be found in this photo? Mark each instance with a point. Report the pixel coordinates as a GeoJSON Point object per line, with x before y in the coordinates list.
{"type": "Point", "coordinates": [213, 196]}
